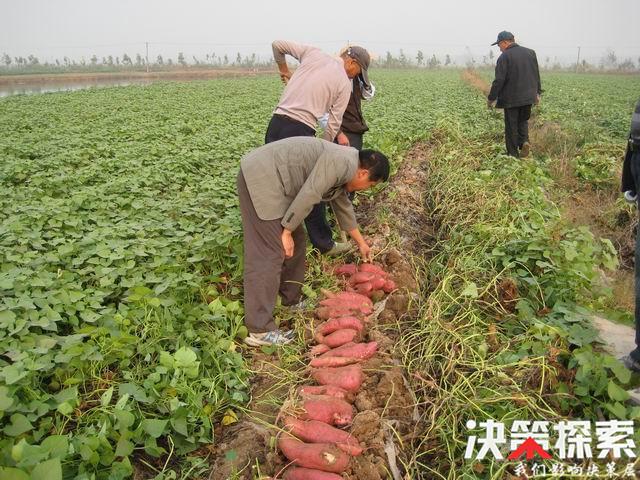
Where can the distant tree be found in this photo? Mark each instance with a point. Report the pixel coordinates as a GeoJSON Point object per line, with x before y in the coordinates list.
{"type": "Point", "coordinates": [33, 60]}
{"type": "Point", "coordinates": [195, 60]}
{"type": "Point", "coordinates": [118, 61]}
{"type": "Point", "coordinates": [491, 55]}
{"type": "Point", "coordinates": [160, 60]}
{"type": "Point", "coordinates": [139, 60]}
{"type": "Point", "coordinates": [213, 58]}
{"type": "Point", "coordinates": [83, 62]}
{"type": "Point", "coordinates": [420, 58]}
{"type": "Point", "coordinates": [627, 65]}
{"type": "Point", "coordinates": [447, 60]}
{"type": "Point", "coordinates": [610, 60]}
{"type": "Point", "coordinates": [6, 59]}
{"type": "Point", "coordinates": [226, 59]}
{"type": "Point", "coordinates": [238, 59]}
{"type": "Point", "coordinates": [66, 61]}
{"type": "Point", "coordinates": [170, 62]}
{"type": "Point", "coordinates": [389, 59]}
{"type": "Point", "coordinates": [57, 62]}
{"type": "Point", "coordinates": [126, 59]}
{"type": "Point", "coordinates": [402, 58]}
{"type": "Point", "coordinates": [181, 59]}
{"type": "Point", "coordinates": [94, 60]}
{"type": "Point", "coordinates": [110, 60]}
{"type": "Point", "coordinates": [434, 62]}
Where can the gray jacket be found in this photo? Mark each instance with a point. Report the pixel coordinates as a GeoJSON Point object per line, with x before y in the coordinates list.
{"type": "Point", "coordinates": [287, 178]}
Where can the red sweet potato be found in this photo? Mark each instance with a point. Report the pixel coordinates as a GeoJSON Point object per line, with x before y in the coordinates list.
{"type": "Point", "coordinates": [348, 378]}
{"type": "Point", "coordinates": [322, 361]}
{"type": "Point", "coordinates": [362, 351]}
{"type": "Point", "coordinates": [325, 313]}
{"type": "Point", "coordinates": [364, 288]}
{"type": "Point", "coordinates": [313, 431]}
{"type": "Point", "coordinates": [345, 270]}
{"type": "Point", "coordinates": [340, 337]}
{"type": "Point", "coordinates": [378, 282]}
{"type": "Point", "coordinates": [297, 473]}
{"type": "Point", "coordinates": [347, 303]}
{"type": "Point", "coordinates": [361, 277]}
{"type": "Point", "coordinates": [320, 348]}
{"type": "Point", "coordinates": [330, 390]}
{"type": "Point", "coordinates": [389, 286]}
{"type": "Point", "coordinates": [370, 267]}
{"type": "Point", "coordinates": [321, 456]}
{"type": "Point", "coordinates": [327, 409]}
{"type": "Point", "coordinates": [338, 323]}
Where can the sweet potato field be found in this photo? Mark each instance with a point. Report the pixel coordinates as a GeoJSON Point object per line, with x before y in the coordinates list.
{"type": "Point", "coordinates": [121, 313]}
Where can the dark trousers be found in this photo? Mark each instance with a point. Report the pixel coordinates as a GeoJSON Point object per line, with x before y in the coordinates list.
{"type": "Point", "coordinates": [635, 171]}
{"type": "Point", "coordinates": [319, 231]}
{"type": "Point", "coordinates": [281, 127]}
{"type": "Point", "coordinates": [266, 271]}
{"type": "Point", "coordinates": [516, 128]}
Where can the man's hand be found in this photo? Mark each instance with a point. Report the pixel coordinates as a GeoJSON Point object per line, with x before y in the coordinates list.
{"type": "Point", "coordinates": [287, 243]}
{"type": "Point", "coordinates": [342, 139]}
{"type": "Point", "coordinates": [365, 252]}
{"type": "Point", "coordinates": [491, 104]}
{"type": "Point", "coordinates": [285, 74]}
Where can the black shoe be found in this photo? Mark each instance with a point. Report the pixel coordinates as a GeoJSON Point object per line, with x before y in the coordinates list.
{"type": "Point", "coordinates": [630, 363]}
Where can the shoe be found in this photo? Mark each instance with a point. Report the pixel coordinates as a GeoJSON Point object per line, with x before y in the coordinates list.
{"type": "Point", "coordinates": [525, 150]}
{"type": "Point", "coordinates": [630, 363]}
{"type": "Point", "coordinates": [275, 337]}
{"type": "Point", "coordinates": [298, 307]}
{"type": "Point", "coordinates": [339, 248]}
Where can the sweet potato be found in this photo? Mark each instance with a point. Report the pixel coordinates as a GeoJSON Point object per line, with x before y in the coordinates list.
{"type": "Point", "coordinates": [298, 473]}
{"type": "Point", "coordinates": [370, 267]}
{"type": "Point", "coordinates": [321, 347]}
{"type": "Point", "coordinates": [389, 286]}
{"type": "Point", "coordinates": [327, 409]}
{"type": "Point", "coordinates": [378, 282]}
{"type": "Point", "coordinates": [348, 378]}
{"type": "Point", "coordinates": [321, 456]}
{"type": "Point", "coordinates": [362, 351]}
{"type": "Point", "coordinates": [313, 431]}
{"type": "Point", "coordinates": [340, 337]}
{"type": "Point", "coordinates": [325, 313]}
{"type": "Point", "coordinates": [361, 277]}
{"type": "Point", "coordinates": [353, 296]}
{"type": "Point", "coordinates": [345, 270]}
{"type": "Point", "coordinates": [364, 288]}
{"type": "Point", "coordinates": [330, 390]}
{"type": "Point", "coordinates": [347, 303]}
{"type": "Point", "coordinates": [322, 361]}
{"type": "Point", "coordinates": [338, 323]}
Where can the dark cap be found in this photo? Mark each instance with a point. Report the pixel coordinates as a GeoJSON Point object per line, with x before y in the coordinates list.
{"type": "Point", "coordinates": [503, 35]}
{"type": "Point", "coordinates": [362, 58]}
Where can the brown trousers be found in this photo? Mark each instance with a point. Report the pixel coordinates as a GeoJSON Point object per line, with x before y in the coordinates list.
{"type": "Point", "coordinates": [266, 271]}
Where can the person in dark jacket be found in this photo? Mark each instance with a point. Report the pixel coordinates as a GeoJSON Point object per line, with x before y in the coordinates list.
{"type": "Point", "coordinates": [631, 187]}
{"type": "Point", "coordinates": [516, 88]}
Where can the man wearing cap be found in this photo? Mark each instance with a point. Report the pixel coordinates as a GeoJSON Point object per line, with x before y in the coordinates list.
{"type": "Point", "coordinates": [322, 83]}
{"type": "Point", "coordinates": [516, 88]}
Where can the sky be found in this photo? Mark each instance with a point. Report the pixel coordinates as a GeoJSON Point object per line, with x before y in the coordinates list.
{"type": "Point", "coordinates": [53, 29]}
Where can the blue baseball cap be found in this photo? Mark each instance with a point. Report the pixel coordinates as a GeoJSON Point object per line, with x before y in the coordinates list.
{"type": "Point", "coordinates": [503, 35]}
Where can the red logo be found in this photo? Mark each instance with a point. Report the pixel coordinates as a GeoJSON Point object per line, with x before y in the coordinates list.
{"type": "Point", "coordinates": [530, 448]}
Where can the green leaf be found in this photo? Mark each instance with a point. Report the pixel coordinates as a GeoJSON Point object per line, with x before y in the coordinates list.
{"type": "Point", "coordinates": [616, 392]}
{"type": "Point", "coordinates": [7, 317]}
{"type": "Point", "coordinates": [56, 445]}
{"type": "Point", "coordinates": [19, 425]}
{"type": "Point", "coordinates": [12, 373]}
{"type": "Point", "coordinates": [154, 427]}
{"type": "Point", "coordinates": [49, 470]}
{"type": "Point", "coordinates": [7, 473]}
{"type": "Point", "coordinates": [105, 398]}
{"type": "Point", "coordinates": [5, 399]}
{"type": "Point", "coordinates": [185, 357]}
{"type": "Point", "coordinates": [125, 418]}
{"type": "Point", "coordinates": [124, 448]}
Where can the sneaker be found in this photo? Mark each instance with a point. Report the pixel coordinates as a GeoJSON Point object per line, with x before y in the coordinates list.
{"type": "Point", "coordinates": [274, 337]}
{"type": "Point", "coordinates": [339, 248]}
{"type": "Point", "coordinates": [525, 150]}
{"type": "Point", "coordinates": [630, 363]}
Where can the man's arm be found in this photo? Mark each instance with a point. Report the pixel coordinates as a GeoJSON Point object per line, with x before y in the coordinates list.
{"type": "Point", "coordinates": [343, 209]}
{"type": "Point", "coordinates": [498, 81]}
{"type": "Point", "coordinates": [283, 47]}
{"type": "Point", "coordinates": [336, 112]}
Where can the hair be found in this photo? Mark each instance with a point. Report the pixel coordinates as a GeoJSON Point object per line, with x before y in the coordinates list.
{"type": "Point", "coordinates": [376, 163]}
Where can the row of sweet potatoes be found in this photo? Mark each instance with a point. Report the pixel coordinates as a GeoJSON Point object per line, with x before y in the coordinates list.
{"type": "Point", "coordinates": [314, 440]}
